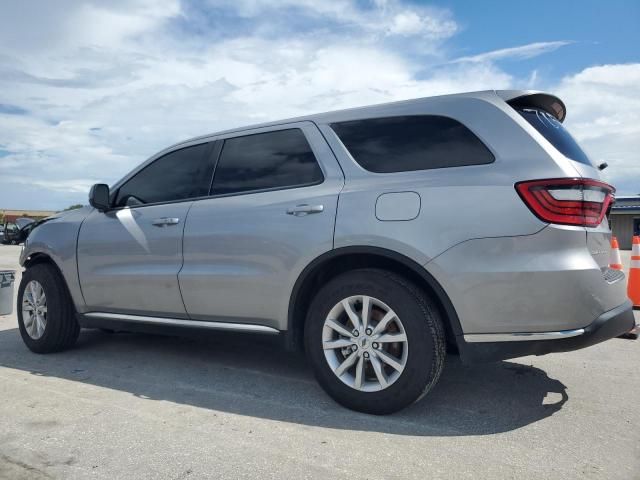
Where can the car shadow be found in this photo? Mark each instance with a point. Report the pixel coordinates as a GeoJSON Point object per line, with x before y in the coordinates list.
{"type": "Point", "coordinates": [254, 376]}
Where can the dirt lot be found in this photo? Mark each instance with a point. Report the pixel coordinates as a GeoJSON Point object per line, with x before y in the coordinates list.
{"type": "Point", "coordinates": [141, 406]}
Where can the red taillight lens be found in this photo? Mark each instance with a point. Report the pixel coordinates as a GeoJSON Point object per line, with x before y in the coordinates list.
{"type": "Point", "coordinates": [568, 201]}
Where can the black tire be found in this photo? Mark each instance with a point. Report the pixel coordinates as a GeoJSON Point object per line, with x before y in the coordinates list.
{"type": "Point", "coordinates": [423, 327]}
{"type": "Point", "coordinates": [62, 327]}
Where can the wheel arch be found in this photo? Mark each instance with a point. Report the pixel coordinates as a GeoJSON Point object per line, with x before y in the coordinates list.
{"type": "Point", "coordinates": [40, 257]}
{"type": "Point", "coordinates": [37, 258]}
{"type": "Point", "coordinates": [340, 260]}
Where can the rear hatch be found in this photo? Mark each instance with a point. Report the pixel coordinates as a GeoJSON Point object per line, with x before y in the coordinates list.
{"type": "Point", "coordinates": [546, 113]}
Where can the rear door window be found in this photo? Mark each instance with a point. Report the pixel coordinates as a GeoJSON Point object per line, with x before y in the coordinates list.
{"type": "Point", "coordinates": [262, 161]}
{"type": "Point", "coordinates": [555, 133]}
{"type": "Point", "coordinates": [407, 143]}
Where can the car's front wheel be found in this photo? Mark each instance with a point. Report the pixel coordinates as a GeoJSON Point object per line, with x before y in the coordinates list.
{"type": "Point", "coordinates": [375, 341]}
{"type": "Point", "coordinates": [46, 316]}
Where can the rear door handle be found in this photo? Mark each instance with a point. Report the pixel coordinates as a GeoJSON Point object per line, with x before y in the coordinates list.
{"type": "Point", "coordinates": [302, 210]}
{"type": "Point", "coordinates": [165, 222]}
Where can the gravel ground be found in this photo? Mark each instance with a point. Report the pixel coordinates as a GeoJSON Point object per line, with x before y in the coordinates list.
{"type": "Point", "coordinates": [141, 406]}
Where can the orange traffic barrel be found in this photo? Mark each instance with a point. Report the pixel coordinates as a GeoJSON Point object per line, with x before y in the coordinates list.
{"type": "Point", "coordinates": [633, 287]}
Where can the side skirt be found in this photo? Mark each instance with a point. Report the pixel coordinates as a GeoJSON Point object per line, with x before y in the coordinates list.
{"type": "Point", "coordinates": [118, 321]}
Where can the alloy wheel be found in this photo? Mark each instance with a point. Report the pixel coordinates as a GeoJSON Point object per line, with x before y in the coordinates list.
{"type": "Point", "coordinates": [34, 309]}
{"type": "Point", "coordinates": [365, 343]}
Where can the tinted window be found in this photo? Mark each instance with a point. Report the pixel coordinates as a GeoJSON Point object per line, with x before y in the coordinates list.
{"type": "Point", "coordinates": [178, 175]}
{"type": "Point", "coordinates": [400, 144]}
{"type": "Point", "coordinates": [277, 159]}
{"type": "Point", "coordinates": [557, 135]}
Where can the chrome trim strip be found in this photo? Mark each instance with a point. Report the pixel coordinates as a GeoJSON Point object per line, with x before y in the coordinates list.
{"type": "Point", "coordinates": [236, 327]}
{"type": "Point", "coordinates": [522, 337]}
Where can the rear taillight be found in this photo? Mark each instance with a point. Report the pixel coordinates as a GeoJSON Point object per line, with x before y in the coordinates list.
{"type": "Point", "coordinates": [567, 201]}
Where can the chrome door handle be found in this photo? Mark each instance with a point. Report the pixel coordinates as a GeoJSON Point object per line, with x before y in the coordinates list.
{"type": "Point", "coordinates": [301, 210]}
{"type": "Point", "coordinates": [165, 222]}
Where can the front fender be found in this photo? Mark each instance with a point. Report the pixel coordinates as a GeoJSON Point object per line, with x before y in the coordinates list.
{"type": "Point", "coordinates": [57, 240]}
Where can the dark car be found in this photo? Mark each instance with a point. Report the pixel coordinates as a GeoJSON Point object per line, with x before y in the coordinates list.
{"type": "Point", "coordinates": [10, 230]}
{"type": "Point", "coordinates": [16, 232]}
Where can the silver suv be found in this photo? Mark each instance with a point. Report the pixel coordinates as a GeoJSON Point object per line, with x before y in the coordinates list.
{"type": "Point", "coordinates": [374, 238]}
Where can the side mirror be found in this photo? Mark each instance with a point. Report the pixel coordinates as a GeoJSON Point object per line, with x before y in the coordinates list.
{"type": "Point", "coordinates": [99, 197]}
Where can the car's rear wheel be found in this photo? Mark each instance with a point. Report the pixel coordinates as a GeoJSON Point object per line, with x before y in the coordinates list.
{"type": "Point", "coordinates": [46, 316]}
{"type": "Point", "coordinates": [375, 341]}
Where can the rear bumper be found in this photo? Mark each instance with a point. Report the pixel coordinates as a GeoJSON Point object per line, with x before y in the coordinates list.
{"type": "Point", "coordinates": [546, 282]}
{"type": "Point", "coordinates": [608, 325]}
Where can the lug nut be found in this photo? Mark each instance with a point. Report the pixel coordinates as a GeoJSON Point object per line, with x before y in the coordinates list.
{"type": "Point", "coordinates": [356, 333]}
{"type": "Point", "coordinates": [369, 331]}
{"type": "Point", "coordinates": [375, 345]}
{"type": "Point", "coordinates": [354, 348]}
{"type": "Point", "coordinates": [366, 354]}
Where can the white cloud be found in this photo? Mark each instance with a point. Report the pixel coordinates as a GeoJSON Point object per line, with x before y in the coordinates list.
{"type": "Point", "coordinates": [388, 17]}
{"type": "Point", "coordinates": [408, 23]}
{"type": "Point", "coordinates": [522, 52]}
{"type": "Point", "coordinates": [603, 113]}
{"type": "Point", "coordinates": [36, 25]}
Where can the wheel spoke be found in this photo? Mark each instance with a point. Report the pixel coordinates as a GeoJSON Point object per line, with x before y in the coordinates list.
{"type": "Point", "coordinates": [28, 320]}
{"type": "Point", "coordinates": [359, 373]}
{"type": "Point", "coordinates": [39, 326]}
{"type": "Point", "coordinates": [384, 322]}
{"type": "Point", "coordinates": [377, 368]}
{"type": "Point", "coordinates": [392, 337]}
{"type": "Point", "coordinates": [28, 297]}
{"type": "Point", "coordinates": [340, 343]}
{"type": "Point", "coordinates": [389, 360]}
{"type": "Point", "coordinates": [366, 311]}
{"type": "Point", "coordinates": [43, 308]}
{"type": "Point", "coordinates": [338, 328]}
{"type": "Point", "coordinates": [39, 293]}
{"type": "Point", "coordinates": [348, 362]}
{"type": "Point", "coordinates": [353, 316]}
{"type": "Point", "coordinates": [34, 294]}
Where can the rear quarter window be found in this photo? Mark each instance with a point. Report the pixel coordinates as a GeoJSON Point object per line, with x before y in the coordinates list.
{"type": "Point", "coordinates": [555, 133]}
{"type": "Point", "coordinates": [407, 143]}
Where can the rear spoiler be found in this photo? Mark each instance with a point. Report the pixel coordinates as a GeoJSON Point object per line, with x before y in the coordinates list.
{"type": "Point", "coordinates": [532, 99]}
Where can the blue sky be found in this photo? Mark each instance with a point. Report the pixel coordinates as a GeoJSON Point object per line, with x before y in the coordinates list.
{"type": "Point", "coordinates": [604, 32]}
{"type": "Point", "coordinates": [89, 89]}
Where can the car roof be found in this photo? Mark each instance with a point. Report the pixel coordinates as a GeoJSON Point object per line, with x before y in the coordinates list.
{"type": "Point", "coordinates": [373, 110]}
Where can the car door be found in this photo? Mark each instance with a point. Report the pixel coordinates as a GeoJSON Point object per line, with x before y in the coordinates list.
{"type": "Point", "coordinates": [129, 257]}
{"type": "Point", "coordinates": [272, 210]}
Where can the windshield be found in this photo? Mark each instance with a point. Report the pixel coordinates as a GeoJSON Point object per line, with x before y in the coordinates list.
{"type": "Point", "coordinates": [556, 134]}
{"type": "Point", "coordinates": [22, 221]}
